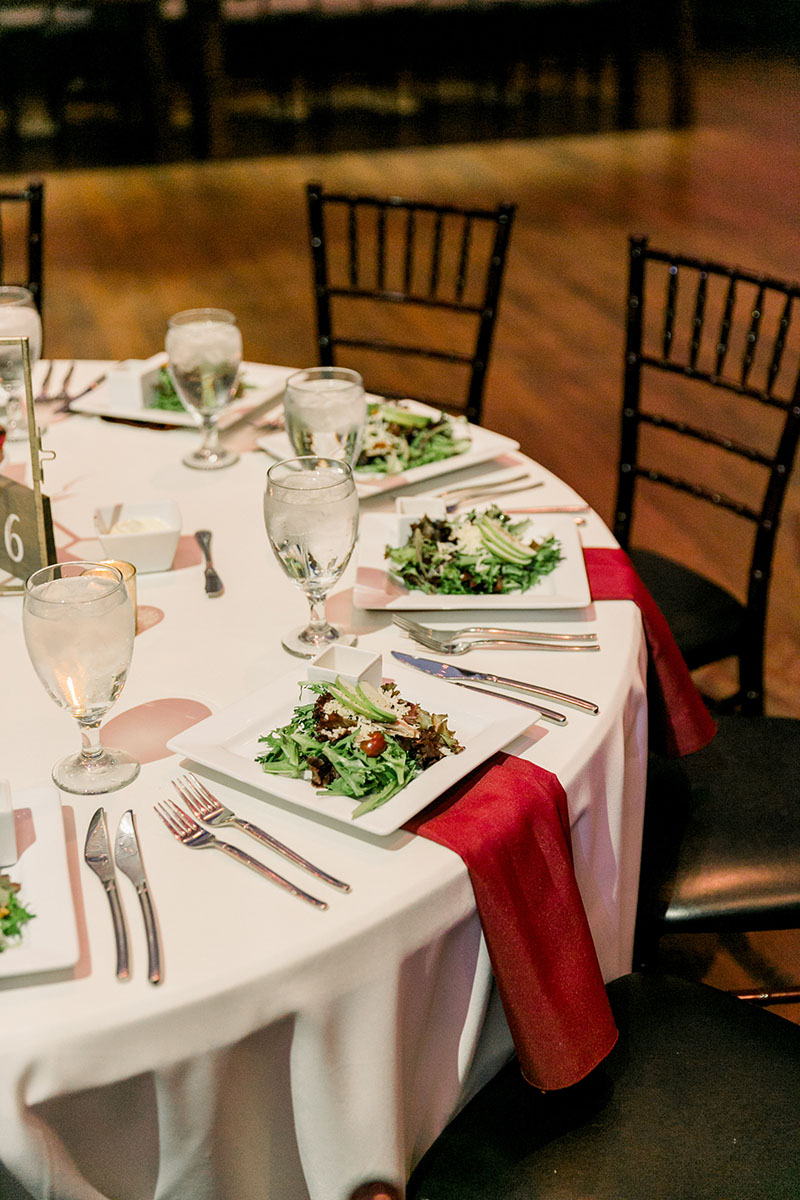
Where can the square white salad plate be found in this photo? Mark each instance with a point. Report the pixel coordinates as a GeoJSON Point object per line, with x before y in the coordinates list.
{"type": "Point", "coordinates": [50, 941]}
{"type": "Point", "coordinates": [262, 383]}
{"type": "Point", "coordinates": [228, 743]}
{"type": "Point", "coordinates": [567, 586]}
{"type": "Point", "coordinates": [484, 446]}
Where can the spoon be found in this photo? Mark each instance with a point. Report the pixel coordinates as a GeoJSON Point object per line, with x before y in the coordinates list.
{"type": "Point", "coordinates": [214, 585]}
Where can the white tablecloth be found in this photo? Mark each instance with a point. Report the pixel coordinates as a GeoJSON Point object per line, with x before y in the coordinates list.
{"type": "Point", "coordinates": [288, 1054]}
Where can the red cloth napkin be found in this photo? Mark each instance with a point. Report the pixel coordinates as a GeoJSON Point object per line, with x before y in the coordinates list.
{"type": "Point", "coordinates": [679, 721]}
{"type": "Point", "coordinates": [509, 822]}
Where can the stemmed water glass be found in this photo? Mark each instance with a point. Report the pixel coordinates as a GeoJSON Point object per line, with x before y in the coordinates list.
{"type": "Point", "coordinates": [19, 317]}
{"type": "Point", "coordinates": [326, 411]}
{"type": "Point", "coordinates": [78, 623]}
{"type": "Point", "coordinates": [204, 346]}
{"type": "Point", "coordinates": [311, 515]}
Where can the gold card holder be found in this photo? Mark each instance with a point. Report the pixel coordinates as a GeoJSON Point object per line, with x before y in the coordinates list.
{"type": "Point", "coordinates": [26, 524]}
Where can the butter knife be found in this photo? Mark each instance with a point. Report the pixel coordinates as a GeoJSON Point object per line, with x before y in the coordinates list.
{"type": "Point", "coordinates": [214, 585]}
{"type": "Point", "coordinates": [456, 674]}
{"type": "Point", "coordinates": [97, 855]}
{"type": "Point", "coordinates": [129, 860]}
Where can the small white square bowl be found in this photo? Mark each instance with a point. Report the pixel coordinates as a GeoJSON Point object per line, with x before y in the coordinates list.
{"type": "Point", "coordinates": [347, 663]}
{"type": "Point", "coordinates": [148, 549]}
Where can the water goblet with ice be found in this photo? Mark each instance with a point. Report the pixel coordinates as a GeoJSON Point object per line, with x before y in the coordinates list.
{"type": "Point", "coordinates": [204, 346]}
{"type": "Point", "coordinates": [78, 623]}
{"type": "Point", "coordinates": [311, 515]}
{"type": "Point", "coordinates": [326, 411]}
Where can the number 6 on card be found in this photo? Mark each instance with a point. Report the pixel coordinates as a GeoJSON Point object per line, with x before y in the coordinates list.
{"type": "Point", "coordinates": [26, 525]}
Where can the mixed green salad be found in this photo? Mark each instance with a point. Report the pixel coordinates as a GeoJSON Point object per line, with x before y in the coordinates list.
{"type": "Point", "coordinates": [13, 915]}
{"type": "Point", "coordinates": [358, 741]}
{"type": "Point", "coordinates": [396, 438]}
{"type": "Point", "coordinates": [480, 553]}
{"type": "Point", "coordinates": [165, 398]}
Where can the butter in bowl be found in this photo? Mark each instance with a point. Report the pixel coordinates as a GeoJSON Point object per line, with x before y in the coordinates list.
{"type": "Point", "coordinates": [145, 534]}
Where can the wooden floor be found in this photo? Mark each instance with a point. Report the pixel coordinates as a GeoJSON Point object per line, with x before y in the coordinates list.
{"type": "Point", "coordinates": [126, 247]}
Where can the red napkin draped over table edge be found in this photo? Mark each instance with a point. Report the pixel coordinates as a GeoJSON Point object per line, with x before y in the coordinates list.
{"type": "Point", "coordinates": [509, 822]}
{"type": "Point", "coordinates": [679, 721]}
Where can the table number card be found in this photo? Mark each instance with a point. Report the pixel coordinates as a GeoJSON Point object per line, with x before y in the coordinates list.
{"type": "Point", "coordinates": [26, 524]}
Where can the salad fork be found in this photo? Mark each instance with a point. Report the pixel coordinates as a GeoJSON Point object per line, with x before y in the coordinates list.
{"type": "Point", "coordinates": [490, 631]}
{"type": "Point", "coordinates": [206, 807]}
{"type": "Point", "coordinates": [189, 833]}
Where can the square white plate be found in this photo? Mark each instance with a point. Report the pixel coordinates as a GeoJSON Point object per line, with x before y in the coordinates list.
{"type": "Point", "coordinates": [265, 383]}
{"type": "Point", "coordinates": [565, 587]}
{"type": "Point", "coordinates": [485, 446]}
{"type": "Point", "coordinates": [228, 742]}
{"type": "Point", "coordinates": [50, 941]}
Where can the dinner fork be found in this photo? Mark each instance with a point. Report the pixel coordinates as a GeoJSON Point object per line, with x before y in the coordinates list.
{"type": "Point", "coordinates": [44, 391]}
{"type": "Point", "coordinates": [206, 807]}
{"type": "Point", "coordinates": [186, 830]}
{"type": "Point", "coordinates": [490, 631]}
{"type": "Point", "coordinates": [64, 393]}
{"type": "Point", "coordinates": [461, 647]}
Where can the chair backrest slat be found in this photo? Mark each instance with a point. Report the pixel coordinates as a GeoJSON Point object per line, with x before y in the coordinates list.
{"type": "Point", "coordinates": [408, 264]}
{"type": "Point", "coordinates": [751, 344]}
{"type": "Point", "coordinates": [436, 255]}
{"type": "Point", "coordinates": [780, 342]}
{"type": "Point", "coordinates": [723, 341]}
{"type": "Point", "coordinates": [697, 319]}
{"type": "Point", "coordinates": [463, 260]}
{"type": "Point", "coordinates": [352, 229]}
{"type": "Point", "coordinates": [669, 311]}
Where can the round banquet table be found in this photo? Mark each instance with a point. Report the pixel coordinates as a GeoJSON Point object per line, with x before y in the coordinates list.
{"type": "Point", "coordinates": [288, 1053]}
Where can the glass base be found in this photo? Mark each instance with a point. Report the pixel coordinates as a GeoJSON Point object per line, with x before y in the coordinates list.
{"type": "Point", "coordinates": [210, 460]}
{"type": "Point", "coordinates": [110, 771]}
{"type": "Point", "coordinates": [304, 642]}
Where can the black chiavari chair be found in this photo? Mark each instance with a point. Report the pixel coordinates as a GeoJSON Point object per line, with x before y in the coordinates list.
{"type": "Point", "coordinates": [408, 280]}
{"type": "Point", "coordinates": [720, 432]}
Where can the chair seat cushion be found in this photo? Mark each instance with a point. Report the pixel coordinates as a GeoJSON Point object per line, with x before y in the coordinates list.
{"type": "Point", "coordinates": [722, 831]}
{"type": "Point", "coordinates": [706, 621]}
{"type": "Point", "coordinates": [699, 1101]}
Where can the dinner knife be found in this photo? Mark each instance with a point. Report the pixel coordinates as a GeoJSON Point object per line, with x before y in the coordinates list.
{"type": "Point", "coordinates": [97, 855]}
{"type": "Point", "coordinates": [453, 673]}
{"type": "Point", "coordinates": [129, 860]}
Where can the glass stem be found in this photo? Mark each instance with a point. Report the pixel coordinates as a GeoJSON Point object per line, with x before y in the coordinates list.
{"type": "Point", "coordinates": [91, 747]}
{"type": "Point", "coordinates": [319, 621]}
{"type": "Point", "coordinates": [211, 443]}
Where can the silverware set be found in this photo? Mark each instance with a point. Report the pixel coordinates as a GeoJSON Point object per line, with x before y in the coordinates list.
{"type": "Point", "coordinates": [64, 397]}
{"type": "Point", "coordinates": [128, 858]}
{"type": "Point", "coordinates": [204, 806]}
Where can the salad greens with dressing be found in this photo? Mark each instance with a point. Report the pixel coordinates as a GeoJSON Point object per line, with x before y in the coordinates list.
{"type": "Point", "coordinates": [480, 553]}
{"type": "Point", "coordinates": [397, 437]}
{"type": "Point", "coordinates": [13, 915]}
{"type": "Point", "coordinates": [358, 741]}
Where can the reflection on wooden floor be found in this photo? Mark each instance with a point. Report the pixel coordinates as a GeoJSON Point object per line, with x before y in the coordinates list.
{"type": "Point", "coordinates": [127, 247]}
